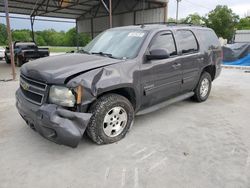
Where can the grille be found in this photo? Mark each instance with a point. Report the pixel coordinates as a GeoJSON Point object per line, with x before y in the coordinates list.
{"type": "Point", "coordinates": [34, 91]}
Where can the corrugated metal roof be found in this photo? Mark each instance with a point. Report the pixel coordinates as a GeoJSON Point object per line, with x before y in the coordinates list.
{"type": "Point", "coordinates": [71, 9]}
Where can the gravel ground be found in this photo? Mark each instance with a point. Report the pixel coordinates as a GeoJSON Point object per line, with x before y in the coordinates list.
{"type": "Point", "coordinates": [186, 144]}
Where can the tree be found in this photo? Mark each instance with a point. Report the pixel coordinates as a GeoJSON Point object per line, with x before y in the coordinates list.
{"type": "Point", "coordinates": [40, 41]}
{"type": "Point", "coordinates": [48, 37]}
{"type": "Point", "coordinates": [223, 21]}
{"type": "Point", "coordinates": [244, 23]}
{"type": "Point", "coordinates": [21, 35]}
{"type": "Point", "coordinates": [194, 19]}
{"type": "Point", "coordinates": [71, 38]}
{"type": "Point", "coordinates": [3, 34]}
{"type": "Point", "coordinates": [171, 20]}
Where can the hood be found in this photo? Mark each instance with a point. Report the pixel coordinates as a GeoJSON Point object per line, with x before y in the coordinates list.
{"type": "Point", "coordinates": [56, 69]}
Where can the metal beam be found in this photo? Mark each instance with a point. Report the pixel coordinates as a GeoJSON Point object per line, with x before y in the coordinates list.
{"type": "Point", "coordinates": [10, 40]}
{"type": "Point", "coordinates": [66, 7]}
{"type": "Point", "coordinates": [38, 19]}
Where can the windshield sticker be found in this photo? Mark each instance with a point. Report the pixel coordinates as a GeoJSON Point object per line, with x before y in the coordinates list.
{"type": "Point", "coordinates": [136, 34]}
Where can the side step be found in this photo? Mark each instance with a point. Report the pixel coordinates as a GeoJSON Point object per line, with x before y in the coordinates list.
{"type": "Point", "coordinates": [166, 103]}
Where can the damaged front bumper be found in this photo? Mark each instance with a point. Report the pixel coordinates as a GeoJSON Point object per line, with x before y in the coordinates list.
{"type": "Point", "coordinates": [53, 122]}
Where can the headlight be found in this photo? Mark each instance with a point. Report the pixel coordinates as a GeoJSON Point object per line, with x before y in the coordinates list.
{"type": "Point", "coordinates": [62, 96]}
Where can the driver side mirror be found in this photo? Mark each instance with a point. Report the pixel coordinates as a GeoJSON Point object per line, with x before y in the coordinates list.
{"type": "Point", "coordinates": [157, 54]}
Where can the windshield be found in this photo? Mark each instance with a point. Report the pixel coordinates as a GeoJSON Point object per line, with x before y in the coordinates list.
{"type": "Point", "coordinates": [122, 44]}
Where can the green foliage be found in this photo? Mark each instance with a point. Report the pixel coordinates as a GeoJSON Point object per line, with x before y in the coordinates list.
{"type": "Point", "coordinates": [244, 23]}
{"type": "Point", "coordinates": [223, 21]}
{"type": "Point", "coordinates": [194, 19]}
{"type": "Point", "coordinates": [23, 35]}
{"type": "Point", "coordinates": [3, 34]}
{"type": "Point", "coordinates": [48, 37]}
{"type": "Point", "coordinates": [71, 38]}
{"type": "Point", "coordinates": [171, 20]}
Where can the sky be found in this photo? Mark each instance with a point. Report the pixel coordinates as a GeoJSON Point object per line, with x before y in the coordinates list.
{"type": "Point", "coordinates": [186, 7]}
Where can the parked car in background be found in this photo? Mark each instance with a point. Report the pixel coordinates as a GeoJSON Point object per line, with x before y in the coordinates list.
{"type": "Point", "coordinates": [25, 51]}
{"type": "Point", "coordinates": [2, 53]}
{"type": "Point", "coordinates": [122, 72]}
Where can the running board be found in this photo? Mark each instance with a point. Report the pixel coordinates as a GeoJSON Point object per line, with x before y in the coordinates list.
{"type": "Point", "coordinates": [166, 103]}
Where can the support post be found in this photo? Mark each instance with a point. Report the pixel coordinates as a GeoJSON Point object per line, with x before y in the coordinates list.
{"type": "Point", "coordinates": [134, 17]}
{"type": "Point", "coordinates": [110, 14]}
{"type": "Point", "coordinates": [92, 27]}
{"type": "Point", "coordinates": [77, 36]}
{"type": "Point", "coordinates": [166, 12]}
{"type": "Point", "coordinates": [10, 39]}
{"type": "Point", "coordinates": [177, 10]}
{"type": "Point", "coordinates": [32, 20]}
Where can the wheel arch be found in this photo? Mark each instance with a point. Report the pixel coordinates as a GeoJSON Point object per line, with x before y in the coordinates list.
{"type": "Point", "coordinates": [211, 69]}
{"type": "Point", "coordinates": [127, 92]}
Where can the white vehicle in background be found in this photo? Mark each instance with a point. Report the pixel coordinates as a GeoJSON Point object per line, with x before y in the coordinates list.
{"type": "Point", "coordinates": [2, 53]}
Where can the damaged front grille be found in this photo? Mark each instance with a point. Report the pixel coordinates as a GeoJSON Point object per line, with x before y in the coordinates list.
{"type": "Point", "coordinates": [33, 90]}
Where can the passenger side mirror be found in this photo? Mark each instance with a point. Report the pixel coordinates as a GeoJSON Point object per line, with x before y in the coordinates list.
{"type": "Point", "coordinates": [157, 54]}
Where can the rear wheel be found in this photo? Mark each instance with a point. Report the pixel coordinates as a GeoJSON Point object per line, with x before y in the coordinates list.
{"type": "Point", "coordinates": [203, 88]}
{"type": "Point", "coordinates": [112, 117]}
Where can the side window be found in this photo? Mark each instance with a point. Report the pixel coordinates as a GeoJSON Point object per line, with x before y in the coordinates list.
{"type": "Point", "coordinates": [164, 41]}
{"type": "Point", "coordinates": [186, 41]}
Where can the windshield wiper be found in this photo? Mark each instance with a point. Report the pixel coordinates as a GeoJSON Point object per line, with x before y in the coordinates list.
{"type": "Point", "coordinates": [104, 54]}
{"type": "Point", "coordinates": [84, 51]}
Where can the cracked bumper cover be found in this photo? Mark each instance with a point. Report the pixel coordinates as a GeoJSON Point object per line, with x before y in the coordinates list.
{"type": "Point", "coordinates": [53, 122]}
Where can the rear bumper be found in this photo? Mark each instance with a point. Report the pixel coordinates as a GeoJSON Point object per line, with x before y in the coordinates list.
{"type": "Point", "coordinates": [53, 122]}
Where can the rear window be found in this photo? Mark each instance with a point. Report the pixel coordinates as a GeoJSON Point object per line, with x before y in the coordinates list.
{"type": "Point", "coordinates": [209, 39]}
{"type": "Point", "coordinates": [186, 41]}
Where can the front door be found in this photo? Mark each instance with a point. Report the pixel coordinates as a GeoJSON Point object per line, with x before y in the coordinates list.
{"type": "Point", "coordinates": [161, 79]}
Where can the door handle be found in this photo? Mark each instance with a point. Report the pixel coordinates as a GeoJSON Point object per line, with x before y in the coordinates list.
{"type": "Point", "coordinates": [201, 59]}
{"type": "Point", "coordinates": [176, 65]}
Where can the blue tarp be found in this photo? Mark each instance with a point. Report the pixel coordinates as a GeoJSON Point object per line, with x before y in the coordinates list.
{"type": "Point", "coordinates": [245, 61]}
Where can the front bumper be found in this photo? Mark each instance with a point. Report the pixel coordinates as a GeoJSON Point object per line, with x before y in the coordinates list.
{"type": "Point", "coordinates": [53, 122]}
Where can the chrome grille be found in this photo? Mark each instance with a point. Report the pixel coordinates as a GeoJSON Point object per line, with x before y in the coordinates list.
{"type": "Point", "coordinates": [33, 90]}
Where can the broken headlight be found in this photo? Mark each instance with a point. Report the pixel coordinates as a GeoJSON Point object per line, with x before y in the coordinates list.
{"type": "Point", "coordinates": [62, 96]}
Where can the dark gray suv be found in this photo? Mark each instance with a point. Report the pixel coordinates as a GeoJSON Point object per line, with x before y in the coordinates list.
{"type": "Point", "coordinates": [122, 72]}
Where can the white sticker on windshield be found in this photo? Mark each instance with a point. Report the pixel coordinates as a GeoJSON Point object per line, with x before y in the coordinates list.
{"type": "Point", "coordinates": [136, 34]}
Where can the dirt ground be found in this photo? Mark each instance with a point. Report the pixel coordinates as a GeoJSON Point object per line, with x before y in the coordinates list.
{"type": "Point", "coordinates": [186, 144]}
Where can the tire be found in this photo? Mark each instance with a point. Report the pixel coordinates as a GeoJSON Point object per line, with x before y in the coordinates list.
{"type": "Point", "coordinates": [19, 62]}
{"type": "Point", "coordinates": [112, 117]}
{"type": "Point", "coordinates": [7, 60]}
{"type": "Point", "coordinates": [202, 91]}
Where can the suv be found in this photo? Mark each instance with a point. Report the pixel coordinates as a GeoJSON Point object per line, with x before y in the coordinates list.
{"type": "Point", "coordinates": [124, 71]}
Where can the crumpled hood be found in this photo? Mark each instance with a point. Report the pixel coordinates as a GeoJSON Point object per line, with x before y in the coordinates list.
{"type": "Point", "coordinates": [56, 69]}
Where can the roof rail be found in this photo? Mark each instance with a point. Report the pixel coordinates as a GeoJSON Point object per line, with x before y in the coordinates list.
{"type": "Point", "coordinates": [172, 24]}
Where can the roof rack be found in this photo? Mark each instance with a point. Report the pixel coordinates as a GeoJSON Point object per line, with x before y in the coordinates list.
{"type": "Point", "coordinates": [172, 24]}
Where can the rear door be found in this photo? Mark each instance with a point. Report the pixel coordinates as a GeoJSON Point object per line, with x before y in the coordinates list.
{"type": "Point", "coordinates": [161, 79]}
{"type": "Point", "coordinates": [190, 58]}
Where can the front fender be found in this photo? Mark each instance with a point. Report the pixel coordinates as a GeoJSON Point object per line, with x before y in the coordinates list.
{"type": "Point", "coordinates": [105, 79]}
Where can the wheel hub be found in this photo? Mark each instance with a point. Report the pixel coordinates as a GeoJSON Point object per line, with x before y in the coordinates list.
{"type": "Point", "coordinates": [204, 87]}
{"type": "Point", "coordinates": [115, 121]}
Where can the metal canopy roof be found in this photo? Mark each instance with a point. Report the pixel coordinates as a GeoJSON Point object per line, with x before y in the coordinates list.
{"type": "Point", "coordinates": [74, 9]}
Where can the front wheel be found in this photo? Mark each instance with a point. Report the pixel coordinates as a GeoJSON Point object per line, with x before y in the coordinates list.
{"type": "Point", "coordinates": [203, 88]}
{"type": "Point", "coordinates": [19, 62]}
{"type": "Point", "coordinates": [112, 117]}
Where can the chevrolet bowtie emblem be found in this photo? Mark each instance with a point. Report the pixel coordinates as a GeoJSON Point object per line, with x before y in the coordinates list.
{"type": "Point", "coordinates": [24, 85]}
